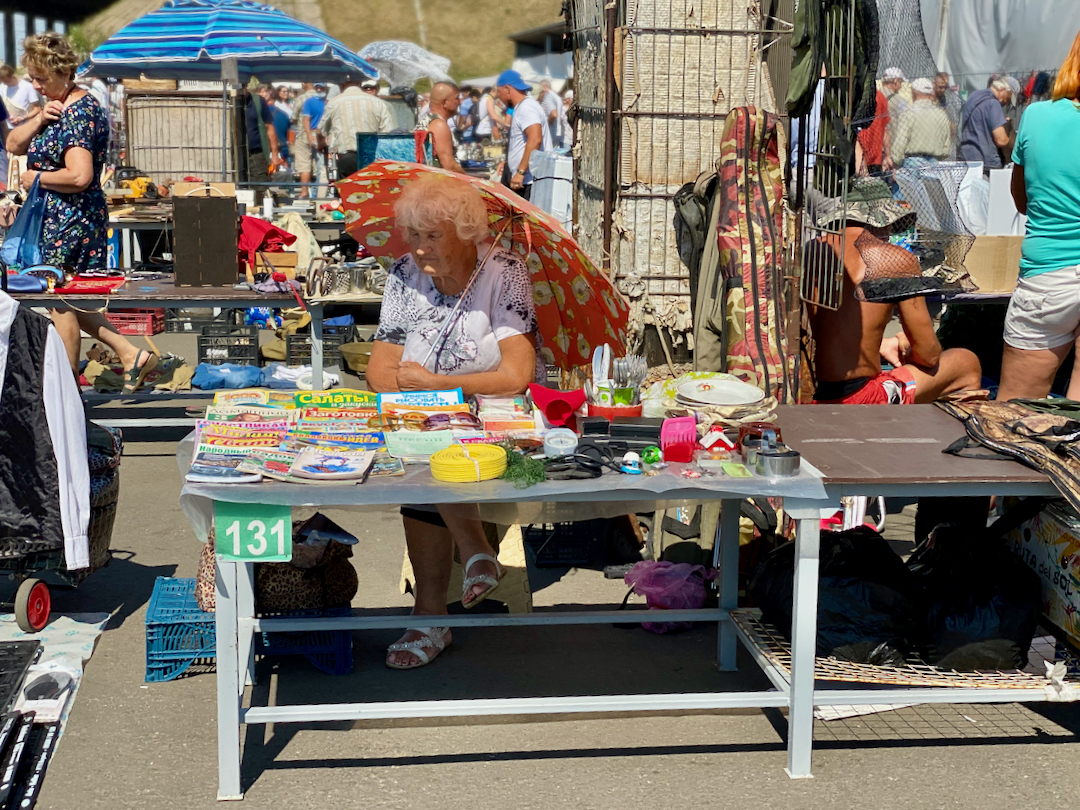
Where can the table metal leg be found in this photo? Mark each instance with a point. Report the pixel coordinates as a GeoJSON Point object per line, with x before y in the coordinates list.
{"type": "Point", "coordinates": [726, 551]}
{"type": "Point", "coordinates": [316, 311]}
{"type": "Point", "coordinates": [803, 643]}
{"type": "Point", "coordinates": [229, 684]}
{"type": "Point", "coordinates": [245, 609]}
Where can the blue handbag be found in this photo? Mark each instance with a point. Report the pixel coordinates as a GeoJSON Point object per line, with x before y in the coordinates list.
{"type": "Point", "coordinates": [22, 245]}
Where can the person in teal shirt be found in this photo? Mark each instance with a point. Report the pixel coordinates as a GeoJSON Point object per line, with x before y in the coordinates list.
{"type": "Point", "coordinates": [1043, 321]}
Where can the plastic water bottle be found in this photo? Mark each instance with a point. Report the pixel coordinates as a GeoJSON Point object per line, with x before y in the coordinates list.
{"type": "Point", "coordinates": [268, 207]}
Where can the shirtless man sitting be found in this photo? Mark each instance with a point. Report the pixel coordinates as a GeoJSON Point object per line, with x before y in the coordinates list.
{"type": "Point", "coordinates": [849, 341]}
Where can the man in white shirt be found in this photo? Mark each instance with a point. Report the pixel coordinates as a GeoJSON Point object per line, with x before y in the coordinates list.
{"type": "Point", "coordinates": [19, 96]}
{"type": "Point", "coordinates": [529, 131]}
{"type": "Point", "coordinates": [352, 111]}
{"type": "Point", "coordinates": [553, 109]}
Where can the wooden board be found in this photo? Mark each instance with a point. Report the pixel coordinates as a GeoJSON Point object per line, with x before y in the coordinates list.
{"type": "Point", "coordinates": [889, 444]}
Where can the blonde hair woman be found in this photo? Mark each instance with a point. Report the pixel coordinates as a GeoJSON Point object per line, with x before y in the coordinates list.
{"type": "Point", "coordinates": [1043, 321]}
{"type": "Point", "coordinates": [66, 144]}
{"type": "Point", "coordinates": [454, 315]}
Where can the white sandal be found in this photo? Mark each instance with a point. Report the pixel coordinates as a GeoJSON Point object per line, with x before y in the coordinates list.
{"type": "Point", "coordinates": [480, 579]}
{"type": "Point", "coordinates": [432, 638]}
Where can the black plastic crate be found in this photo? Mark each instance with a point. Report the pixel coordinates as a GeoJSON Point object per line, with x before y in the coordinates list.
{"type": "Point", "coordinates": [174, 322]}
{"type": "Point", "coordinates": [298, 348]}
{"type": "Point", "coordinates": [558, 545]}
{"type": "Point", "coordinates": [15, 658]}
{"type": "Point", "coordinates": [229, 344]}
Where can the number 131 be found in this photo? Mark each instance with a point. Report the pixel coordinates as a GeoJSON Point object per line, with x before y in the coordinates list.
{"type": "Point", "coordinates": [257, 529]}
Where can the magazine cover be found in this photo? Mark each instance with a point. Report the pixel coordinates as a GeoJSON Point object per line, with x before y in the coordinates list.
{"type": "Point", "coordinates": [220, 447]}
{"type": "Point", "coordinates": [360, 440]}
{"type": "Point", "coordinates": [243, 396]}
{"type": "Point", "coordinates": [323, 463]}
{"type": "Point", "coordinates": [386, 465]}
{"type": "Point", "coordinates": [219, 465]}
{"type": "Point", "coordinates": [244, 413]}
{"type": "Point", "coordinates": [419, 399]}
{"type": "Point", "coordinates": [340, 398]}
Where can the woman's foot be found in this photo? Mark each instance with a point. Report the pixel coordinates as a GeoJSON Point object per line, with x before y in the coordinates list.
{"type": "Point", "coordinates": [418, 647]}
{"type": "Point", "coordinates": [482, 576]}
{"type": "Point", "coordinates": [143, 363]}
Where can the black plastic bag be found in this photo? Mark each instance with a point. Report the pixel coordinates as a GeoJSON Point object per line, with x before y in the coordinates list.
{"type": "Point", "coordinates": [868, 601]}
{"type": "Point", "coordinates": [982, 601]}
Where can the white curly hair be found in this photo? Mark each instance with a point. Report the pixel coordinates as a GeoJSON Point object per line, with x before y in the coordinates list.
{"type": "Point", "coordinates": [432, 200]}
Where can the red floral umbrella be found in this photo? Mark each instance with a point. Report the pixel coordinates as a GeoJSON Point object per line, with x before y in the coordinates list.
{"type": "Point", "coordinates": [577, 308]}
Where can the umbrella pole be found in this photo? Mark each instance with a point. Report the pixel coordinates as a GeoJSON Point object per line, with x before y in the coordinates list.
{"type": "Point", "coordinates": [445, 328]}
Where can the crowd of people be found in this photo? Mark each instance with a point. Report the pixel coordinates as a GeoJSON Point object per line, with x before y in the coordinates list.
{"type": "Point", "coordinates": [311, 132]}
{"type": "Point", "coordinates": [924, 121]}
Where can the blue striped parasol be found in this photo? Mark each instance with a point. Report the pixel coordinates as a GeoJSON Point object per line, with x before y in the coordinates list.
{"type": "Point", "coordinates": [189, 39]}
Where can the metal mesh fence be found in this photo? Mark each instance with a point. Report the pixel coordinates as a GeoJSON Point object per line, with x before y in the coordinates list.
{"type": "Point", "coordinates": [172, 135]}
{"type": "Point", "coordinates": [679, 67]}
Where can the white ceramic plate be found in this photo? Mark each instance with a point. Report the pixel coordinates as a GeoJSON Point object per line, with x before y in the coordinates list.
{"type": "Point", "coordinates": [719, 392]}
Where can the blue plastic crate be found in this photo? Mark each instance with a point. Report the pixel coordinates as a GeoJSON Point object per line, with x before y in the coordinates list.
{"type": "Point", "coordinates": [329, 650]}
{"type": "Point", "coordinates": [179, 635]}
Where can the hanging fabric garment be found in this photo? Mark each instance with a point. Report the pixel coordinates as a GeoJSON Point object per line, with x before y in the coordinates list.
{"type": "Point", "coordinates": [1047, 441]}
{"type": "Point", "coordinates": [306, 245]}
{"type": "Point", "coordinates": [44, 472]}
{"type": "Point", "coordinates": [817, 40]}
{"type": "Point", "coordinates": [740, 323]}
{"type": "Point", "coordinates": [259, 235]}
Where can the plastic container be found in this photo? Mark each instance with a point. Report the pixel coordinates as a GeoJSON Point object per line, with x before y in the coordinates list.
{"type": "Point", "coordinates": [229, 344]}
{"type": "Point", "coordinates": [610, 413]}
{"type": "Point", "coordinates": [558, 545]}
{"type": "Point", "coordinates": [298, 349]}
{"type": "Point", "coordinates": [179, 635]}
{"type": "Point", "coordinates": [137, 321]}
{"type": "Point", "coordinates": [678, 438]}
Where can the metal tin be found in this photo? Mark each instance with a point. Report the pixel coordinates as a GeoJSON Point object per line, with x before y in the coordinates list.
{"type": "Point", "coordinates": [775, 460]}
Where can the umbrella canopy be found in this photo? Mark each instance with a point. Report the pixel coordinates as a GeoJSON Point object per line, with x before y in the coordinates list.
{"type": "Point", "coordinates": [189, 39]}
{"type": "Point", "coordinates": [403, 64]}
{"type": "Point", "coordinates": [577, 308]}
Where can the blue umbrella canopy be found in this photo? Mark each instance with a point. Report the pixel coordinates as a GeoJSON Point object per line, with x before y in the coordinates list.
{"type": "Point", "coordinates": [189, 39]}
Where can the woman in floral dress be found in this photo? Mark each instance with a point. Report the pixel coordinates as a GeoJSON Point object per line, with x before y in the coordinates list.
{"type": "Point", "coordinates": [65, 144]}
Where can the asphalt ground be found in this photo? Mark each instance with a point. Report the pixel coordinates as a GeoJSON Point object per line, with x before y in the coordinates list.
{"type": "Point", "coordinates": [135, 745]}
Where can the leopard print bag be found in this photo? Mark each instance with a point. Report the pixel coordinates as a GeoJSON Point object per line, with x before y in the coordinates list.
{"type": "Point", "coordinates": [280, 587]}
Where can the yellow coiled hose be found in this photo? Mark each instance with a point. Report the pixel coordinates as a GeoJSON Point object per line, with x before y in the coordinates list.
{"type": "Point", "coordinates": [460, 464]}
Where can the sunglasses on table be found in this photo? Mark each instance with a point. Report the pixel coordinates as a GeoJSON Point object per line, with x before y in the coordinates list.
{"type": "Point", "coordinates": [419, 421]}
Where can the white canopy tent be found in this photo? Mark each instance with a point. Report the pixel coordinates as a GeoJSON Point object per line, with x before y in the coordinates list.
{"type": "Point", "coordinates": [970, 39]}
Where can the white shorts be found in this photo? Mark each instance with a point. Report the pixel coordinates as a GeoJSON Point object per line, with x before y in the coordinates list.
{"type": "Point", "coordinates": [1044, 312]}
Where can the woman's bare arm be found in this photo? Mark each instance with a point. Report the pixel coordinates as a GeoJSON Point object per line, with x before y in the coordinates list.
{"type": "Point", "coordinates": [18, 140]}
{"type": "Point", "coordinates": [383, 366]}
{"type": "Point", "coordinates": [512, 377]}
{"type": "Point", "coordinates": [75, 177]}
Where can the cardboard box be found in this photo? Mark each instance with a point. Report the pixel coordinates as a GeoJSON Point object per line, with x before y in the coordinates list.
{"type": "Point", "coordinates": [1049, 545]}
{"type": "Point", "coordinates": [149, 85]}
{"type": "Point", "coordinates": [203, 190]}
{"type": "Point", "coordinates": [994, 263]}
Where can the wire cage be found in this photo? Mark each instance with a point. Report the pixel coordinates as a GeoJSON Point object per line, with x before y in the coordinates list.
{"type": "Point", "coordinates": [655, 80]}
{"type": "Point", "coordinates": [176, 134]}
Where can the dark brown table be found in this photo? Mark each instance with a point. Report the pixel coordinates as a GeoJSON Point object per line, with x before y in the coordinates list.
{"type": "Point", "coordinates": [895, 450]}
{"type": "Point", "coordinates": [878, 450]}
{"type": "Point", "coordinates": [162, 293]}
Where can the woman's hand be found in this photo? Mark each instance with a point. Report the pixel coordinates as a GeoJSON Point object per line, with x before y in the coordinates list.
{"type": "Point", "coordinates": [52, 111]}
{"type": "Point", "coordinates": [414, 377]}
{"type": "Point", "coordinates": [26, 179]}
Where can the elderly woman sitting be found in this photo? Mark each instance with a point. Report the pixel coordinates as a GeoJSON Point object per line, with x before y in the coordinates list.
{"type": "Point", "coordinates": [489, 347]}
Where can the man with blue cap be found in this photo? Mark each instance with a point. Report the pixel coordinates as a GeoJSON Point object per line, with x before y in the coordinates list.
{"type": "Point", "coordinates": [528, 131]}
